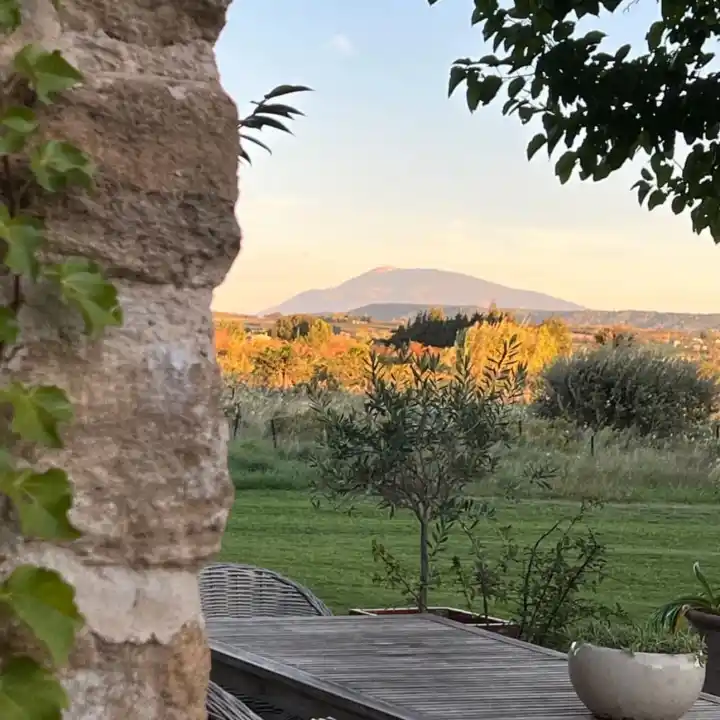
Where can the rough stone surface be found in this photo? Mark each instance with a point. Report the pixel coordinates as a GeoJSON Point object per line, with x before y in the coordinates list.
{"type": "Point", "coordinates": [146, 452]}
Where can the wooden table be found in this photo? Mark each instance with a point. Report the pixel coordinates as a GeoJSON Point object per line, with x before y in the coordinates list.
{"type": "Point", "coordinates": [397, 668]}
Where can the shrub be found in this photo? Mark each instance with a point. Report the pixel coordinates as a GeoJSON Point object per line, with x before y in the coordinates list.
{"type": "Point", "coordinates": [625, 388]}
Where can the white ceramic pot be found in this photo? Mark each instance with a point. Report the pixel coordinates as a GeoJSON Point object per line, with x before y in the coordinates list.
{"type": "Point", "coordinates": [619, 685]}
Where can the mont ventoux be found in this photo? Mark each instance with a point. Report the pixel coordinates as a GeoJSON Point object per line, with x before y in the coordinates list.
{"type": "Point", "coordinates": [421, 287]}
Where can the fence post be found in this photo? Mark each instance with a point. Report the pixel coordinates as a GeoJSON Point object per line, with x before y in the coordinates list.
{"type": "Point", "coordinates": [273, 431]}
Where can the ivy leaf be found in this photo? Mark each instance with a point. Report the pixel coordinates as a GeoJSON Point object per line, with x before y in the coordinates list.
{"type": "Point", "coordinates": [57, 165]}
{"type": "Point", "coordinates": [535, 144]}
{"type": "Point", "coordinates": [565, 165]}
{"type": "Point", "coordinates": [42, 501]}
{"type": "Point", "coordinates": [47, 72]}
{"type": "Point", "coordinates": [20, 119]}
{"type": "Point", "coordinates": [83, 286]}
{"type": "Point", "coordinates": [19, 123]}
{"type": "Point", "coordinates": [10, 18]}
{"type": "Point", "coordinates": [23, 237]}
{"type": "Point", "coordinates": [9, 326]}
{"type": "Point", "coordinates": [43, 601]}
{"type": "Point", "coordinates": [37, 412]}
{"type": "Point", "coordinates": [29, 691]}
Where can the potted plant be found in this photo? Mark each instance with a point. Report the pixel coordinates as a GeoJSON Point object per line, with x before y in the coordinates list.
{"type": "Point", "coordinates": [625, 672]}
{"type": "Point", "coordinates": [702, 610]}
{"type": "Point", "coordinates": [424, 433]}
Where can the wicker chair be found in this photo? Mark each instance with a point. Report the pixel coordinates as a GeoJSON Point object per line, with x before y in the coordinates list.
{"type": "Point", "coordinates": [229, 590]}
{"type": "Point", "coordinates": [221, 705]}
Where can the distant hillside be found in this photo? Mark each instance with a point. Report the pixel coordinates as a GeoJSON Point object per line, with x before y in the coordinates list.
{"type": "Point", "coordinates": [641, 319]}
{"type": "Point", "coordinates": [417, 286]}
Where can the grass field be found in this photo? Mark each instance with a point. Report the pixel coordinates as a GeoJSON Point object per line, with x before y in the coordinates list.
{"type": "Point", "coordinates": [661, 516]}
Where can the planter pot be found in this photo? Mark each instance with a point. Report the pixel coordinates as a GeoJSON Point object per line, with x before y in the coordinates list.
{"type": "Point", "coordinates": [619, 685]}
{"type": "Point", "coordinates": [493, 624]}
{"type": "Point", "coordinates": [708, 625]}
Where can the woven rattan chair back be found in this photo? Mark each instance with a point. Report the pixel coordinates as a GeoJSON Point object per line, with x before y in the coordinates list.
{"type": "Point", "coordinates": [229, 590]}
{"type": "Point", "coordinates": [221, 705]}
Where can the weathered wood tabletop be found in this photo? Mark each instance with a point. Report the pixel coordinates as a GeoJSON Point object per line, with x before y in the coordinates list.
{"type": "Point", "coordinates": [397, 668]}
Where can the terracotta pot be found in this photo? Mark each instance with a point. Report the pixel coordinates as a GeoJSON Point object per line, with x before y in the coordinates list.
{"type": "Point", "coordinates": [465, 617]}
{"type": "Point", "coordinates": [708, 625]}
{"type": "Point", "coordinates": [618, 685]}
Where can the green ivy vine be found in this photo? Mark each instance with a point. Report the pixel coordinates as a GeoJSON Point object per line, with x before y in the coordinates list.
{"type": "Point", "coordinates": [36, 604]}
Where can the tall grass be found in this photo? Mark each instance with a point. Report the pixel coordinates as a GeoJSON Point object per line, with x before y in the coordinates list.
{"type": "Point", "coordinates": [278, 432]}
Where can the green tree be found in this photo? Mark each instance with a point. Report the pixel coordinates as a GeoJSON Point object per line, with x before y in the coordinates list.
{"type": "Point", "coordinates": [415, 446]}
{"type": "Point", "coordinates": [607, 106]}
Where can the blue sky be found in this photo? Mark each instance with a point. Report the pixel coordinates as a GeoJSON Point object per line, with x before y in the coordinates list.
{"type": "Point", "coordinates": [385, 170]}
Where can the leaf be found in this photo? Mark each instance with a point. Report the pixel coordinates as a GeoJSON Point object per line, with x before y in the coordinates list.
{"type": "Point", "coordinates": [42, 501]}
{"type": "Point", "coordinates": [9, 326]}
{"type": "Point", "coordinates": [457, 75]}
{"type": "Point", "coordinates": [29, 691]}
{"type": "Point", "coordinates": [622, 53]}
{"type": "Point", "coordinates": [11, 143]}
{"type": "Point", "coordinates": [43, 601]}
{"type": "Point", "coordinates": [83, 286]}
{"type": "Point", "coordinates": [19, 124]}
{"type": "Point", "coordinates": [658, 197]}
{"type": "Point", "coordinates": [594, 37]}
{"type": "Point", "coordinates": [57, 165]}
{"type": "Point", "coordinates": [23, 237]}
{"type": "Point", "coordinates": [700, 577]}
{"type": "Point", "coordinates": [565, 165]}
{"type": "Point", "coordinates": [515, 86]}
{"type": "Point", "coordinates": [482, 90]}
{"type": "Point", "coordinates": [37, 412]}
{"type": "Point", "coordinates": [654, 35]}
{"type": "Point", "coordinates": [286, 111]}
{"type": "Point", "coordinates": [48, 72]}
{"type": "Point", "coordinates": [256, 141]}
{"type": "Point", "coordinates": [535, 144]}
{"type": "Point", "coordinates": [643, 190]}
{"type": "Point", "coordinates": [10, 15]}
{"type": "Point", "coordinates": [678, 204]}
{"type": "Point", "coordinates": [258, 122]}
{"type": "Point", "coordinates": [286, 90]}
{"type": "Point", "coordinates": [20, 119]}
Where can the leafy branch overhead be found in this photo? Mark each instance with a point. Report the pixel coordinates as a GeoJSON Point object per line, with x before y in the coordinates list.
{"type": "Point", "coordinates": [270, 114]}
{"type": "Point", "coordinates": [607, 106]}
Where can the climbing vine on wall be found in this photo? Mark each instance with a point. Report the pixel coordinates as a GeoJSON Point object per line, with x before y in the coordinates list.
{"type": "Point", "coordinates": [37, 605]}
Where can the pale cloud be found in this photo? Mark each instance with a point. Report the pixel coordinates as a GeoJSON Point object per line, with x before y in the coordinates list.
{"type": "Point", "coordinates": [342, 44]}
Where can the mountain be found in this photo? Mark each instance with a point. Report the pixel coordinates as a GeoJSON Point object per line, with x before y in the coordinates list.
{"type": "Point", "coordinates": [417, 286]}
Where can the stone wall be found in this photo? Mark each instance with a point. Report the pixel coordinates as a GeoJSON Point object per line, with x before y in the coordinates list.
{"type": "Point", "coordinates": [147, 452]}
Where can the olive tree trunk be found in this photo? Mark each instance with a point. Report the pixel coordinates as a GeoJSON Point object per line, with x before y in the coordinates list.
{"type": "Point", "coordinates": [147, 452]}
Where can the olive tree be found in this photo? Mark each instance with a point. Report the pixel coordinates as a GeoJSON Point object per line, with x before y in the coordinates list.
{"type": "Point", "coordinates": [604, 106]}
{"type": "Point", "coordinates": [419, 439]}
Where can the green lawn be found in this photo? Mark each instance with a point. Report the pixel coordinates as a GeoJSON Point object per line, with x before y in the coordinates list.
{"type": "Point", "coordinates": [652, 546]}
